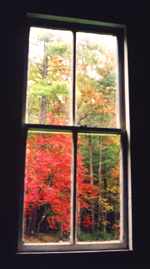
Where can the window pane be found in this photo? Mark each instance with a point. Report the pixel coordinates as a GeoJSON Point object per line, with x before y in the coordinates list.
{"type": "Point", "coordinates": [97, 91]}
{"type": "Point", "coordinates": [47, 195]}
{"type": "Point", "coordinates": [49, 77]}
{"type": "Point", "coordinates": [98, 184]}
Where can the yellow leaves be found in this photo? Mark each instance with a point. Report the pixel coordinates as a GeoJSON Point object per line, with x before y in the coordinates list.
{"type": "Point", "coordinates": [89, 95]}
{"type": "Point", "coordinates": [106, 206]}
{"type": "Point", "coordinates": [113, 140]}
{"type": "Point", "coordinates": [115, 172]}
{"type": "Point", "coordinates": [34, 73]}
{"type": "Point", "coordinates": [58, 68]}
{"type": "Point", "coordinates": [113, 189]}
{"type": "Point", "coordinates": [107, 64]}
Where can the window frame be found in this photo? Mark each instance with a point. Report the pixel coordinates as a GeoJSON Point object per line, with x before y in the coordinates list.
{"type": "Point", "coordinates": [87, 26]}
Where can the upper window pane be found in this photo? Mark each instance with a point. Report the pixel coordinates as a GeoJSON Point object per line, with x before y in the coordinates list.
{"type": "Point", "coordinates": [97, 77]}
{"type": "Point", "coordinates": [49, 77]}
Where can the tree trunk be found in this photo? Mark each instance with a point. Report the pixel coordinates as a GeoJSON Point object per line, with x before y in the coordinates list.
{"type": "Point", "coordinates": [106, 197]}
{"type": "Point", "coordinates": [43, 110]}
{"type": "Point", "coordinates": [91, 160]}
{"type": "Point", "coordinates": [34, 220]}
{"type": "Point", "coordinates": [91, 179]}
{"type": "Point", "coordinates": [44, 102]}
{"type": "Point", "coordinates": [79, 219]}
{"type": "Point", "coordinates": [100, 177]}
{"type": "Point", "coordinates": [102, 217]}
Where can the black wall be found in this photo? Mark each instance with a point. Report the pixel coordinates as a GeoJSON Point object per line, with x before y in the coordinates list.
{"type": "Point", "coordinates": [135, 15]}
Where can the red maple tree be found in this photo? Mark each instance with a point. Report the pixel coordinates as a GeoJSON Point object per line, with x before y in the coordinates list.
{"type": "Point", "coordinates": [48, 178]}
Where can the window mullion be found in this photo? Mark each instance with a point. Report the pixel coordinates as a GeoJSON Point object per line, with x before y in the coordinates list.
{"type": "Point", "coordinates": [74, 80]}
{"type": "Point", "coordinates": [74, 188]}
{"type": "Point", "coordinates": [74, 168]}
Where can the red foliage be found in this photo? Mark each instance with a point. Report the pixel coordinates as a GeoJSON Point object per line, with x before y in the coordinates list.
{"type": "Point", "coordinates": [48, 178]}
{"type": "Point", "coordinates": [87, 222]}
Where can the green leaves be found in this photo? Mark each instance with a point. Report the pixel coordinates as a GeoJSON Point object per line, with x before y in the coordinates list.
{"type": "Point", "coordinates": [58, 48]}
{"type": "Point", "coordinates": [43, 88]}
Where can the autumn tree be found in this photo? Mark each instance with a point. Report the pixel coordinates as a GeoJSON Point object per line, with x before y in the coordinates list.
{"type": "Point", "coordinates": [96, 82]}
{"type": "Point", "coordinates": [48, 156]}
{"type": "Point", "coordinates": [48, 183]}
{"type": "Point", "coordinates": [49, 78]}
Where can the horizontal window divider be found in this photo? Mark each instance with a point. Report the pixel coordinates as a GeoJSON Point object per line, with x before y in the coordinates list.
{"type": "Point", "coordinates": [74, 24]}
{"type": "Point", "coordinates": [65, 247]}
{"type": "Point", "coordinates": [48, 17]}
{"type": "Point", "coordinates": [78, 129]}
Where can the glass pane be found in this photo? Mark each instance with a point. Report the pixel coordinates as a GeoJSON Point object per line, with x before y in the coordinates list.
{"type": "Point", "coordinates": [47, 194]}
{"type": "Point", "coordinates": [97, 79]}
{"type": "Point", "coordinates": [98, 184]}
{"type": "Point", "coordinates": [49, 77]}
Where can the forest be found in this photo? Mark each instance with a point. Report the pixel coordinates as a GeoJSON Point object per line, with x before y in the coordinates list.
{"type": "Point", "coordinates": [49, 158]}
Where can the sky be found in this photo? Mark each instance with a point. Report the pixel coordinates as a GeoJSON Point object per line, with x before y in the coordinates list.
{"type": "Point", "coordinates": [36, 46]}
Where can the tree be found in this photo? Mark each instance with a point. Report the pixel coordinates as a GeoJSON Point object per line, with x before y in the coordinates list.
{"type": "Point", "coordinates": [96, 82]}
{"type": "Point", "coordinates": [49, 155]}
{"type": "Point", "coordinates": [105, 151]}
{"type": "Point", "coordinates": [49, 78]}
{"type": "Point", "coordinates": [48, 183]}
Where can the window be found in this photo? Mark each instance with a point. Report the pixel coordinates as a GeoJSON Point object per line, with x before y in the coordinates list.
{"type": "Point", "coordinates": [76, 194]}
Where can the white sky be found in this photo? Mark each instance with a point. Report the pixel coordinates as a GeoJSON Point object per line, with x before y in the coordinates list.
{"type": "Point", "coordinates": [36, 46]}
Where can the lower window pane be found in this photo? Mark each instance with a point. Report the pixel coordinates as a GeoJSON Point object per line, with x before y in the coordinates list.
{"type": "Point", "coordinates": [99, 191]}
{"type": "Point", "coordinates": [47, 195]}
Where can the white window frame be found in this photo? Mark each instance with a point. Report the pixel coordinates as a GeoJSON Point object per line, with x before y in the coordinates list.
{"type": "Point", "coordinates": [91, 26]}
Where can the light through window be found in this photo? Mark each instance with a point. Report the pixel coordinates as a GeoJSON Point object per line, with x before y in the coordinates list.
{"type": "Point", "coordinates": [74, 174]}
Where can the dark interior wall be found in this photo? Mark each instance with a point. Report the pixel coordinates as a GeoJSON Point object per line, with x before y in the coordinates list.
{"type": "Point", "coordinates": [132, 14]}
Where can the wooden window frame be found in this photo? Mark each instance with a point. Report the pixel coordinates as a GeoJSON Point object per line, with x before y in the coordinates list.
{"type": "Point", "coordinates": [89, 26]}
